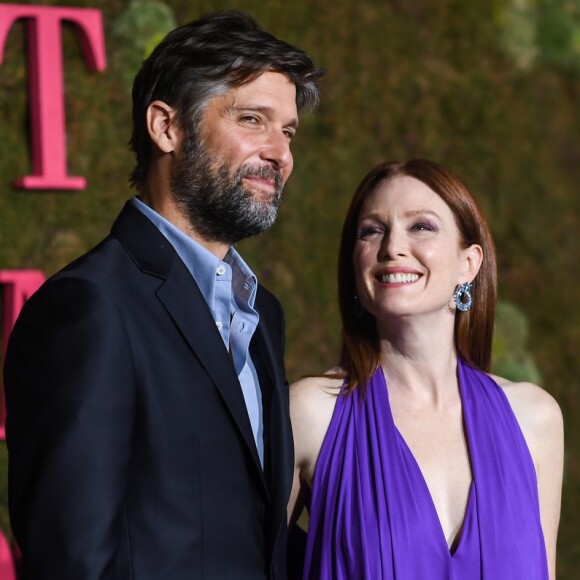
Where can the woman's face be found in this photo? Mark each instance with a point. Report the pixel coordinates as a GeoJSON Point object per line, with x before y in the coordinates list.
{"type": "Point", "coordinates": [408, 255]}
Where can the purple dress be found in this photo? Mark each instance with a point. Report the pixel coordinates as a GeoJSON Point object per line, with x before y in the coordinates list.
{"type": "Point", "coordinates": [372, 516]}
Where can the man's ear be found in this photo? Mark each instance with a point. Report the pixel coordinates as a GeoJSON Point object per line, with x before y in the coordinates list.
{"type": "Point", "coordinates": [162, 126]}
{"type": "Point", "coordinates": [473, 256]}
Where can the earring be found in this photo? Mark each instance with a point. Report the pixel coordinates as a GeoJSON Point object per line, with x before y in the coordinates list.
{"type": "Point", "coordinates": [462, 296]}
{"type": "Point", "coordinates": [358, 309]}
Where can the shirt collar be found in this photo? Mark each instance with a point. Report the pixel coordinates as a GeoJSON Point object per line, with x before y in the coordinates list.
{"type": "Point", "coordinates": [201, 263]}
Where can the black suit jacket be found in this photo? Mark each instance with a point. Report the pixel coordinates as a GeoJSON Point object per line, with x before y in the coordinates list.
{"type": "Point", "coordinates": [131, 454]}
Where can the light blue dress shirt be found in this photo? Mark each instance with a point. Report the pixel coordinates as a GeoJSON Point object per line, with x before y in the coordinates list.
{"type": "Point", "coordinates": [229, 288]}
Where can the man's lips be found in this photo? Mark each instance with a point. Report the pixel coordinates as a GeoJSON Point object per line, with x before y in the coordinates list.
{"type": "Point", "coordinates": [266, 183]}
{"type": "Point", "coordinates": [262, 186]}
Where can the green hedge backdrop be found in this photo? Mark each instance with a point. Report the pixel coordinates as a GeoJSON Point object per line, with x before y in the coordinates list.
{"type": "Point", "coordinates": [490, 88]}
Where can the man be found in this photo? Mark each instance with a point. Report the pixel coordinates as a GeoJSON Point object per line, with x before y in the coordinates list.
{"type": "Point", "coordinates": [147, 426]}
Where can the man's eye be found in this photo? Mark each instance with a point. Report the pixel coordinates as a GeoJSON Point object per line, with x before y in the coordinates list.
{"type": "Point", "coordinates": [289, 134]}
{"type": "Point", "coordinates": [252, 119]}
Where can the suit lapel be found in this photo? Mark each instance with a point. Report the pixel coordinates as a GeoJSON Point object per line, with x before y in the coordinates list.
{"type": "Point", "coordinates": [279, 459]}
{"type": "Point", "coordinates": [185, 304]}
{"type": "Point", "coordinates": [190, 313]}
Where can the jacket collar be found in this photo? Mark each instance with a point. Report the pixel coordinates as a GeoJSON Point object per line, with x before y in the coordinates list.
{"type": "Point", "coordinates": [185, 304]}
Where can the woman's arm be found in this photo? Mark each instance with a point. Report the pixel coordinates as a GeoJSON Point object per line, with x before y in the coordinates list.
{"type": "Point", "coordinates": [540, 419]}
{"type": "Point", "coordinates": [311, 406]}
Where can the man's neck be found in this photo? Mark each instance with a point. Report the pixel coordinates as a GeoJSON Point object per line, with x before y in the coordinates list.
{"type": "Point", "coordinates": [171, 212]}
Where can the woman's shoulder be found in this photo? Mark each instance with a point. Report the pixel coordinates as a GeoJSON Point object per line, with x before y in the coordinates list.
{"type": "Point", "coordinates": [538, 414]}
{"type": "Point", "coordinates": [312, 401]}
{"type": "Point", "coordinates": [531, 403]}
{"type": "Point", "coordinates": [317, 387]}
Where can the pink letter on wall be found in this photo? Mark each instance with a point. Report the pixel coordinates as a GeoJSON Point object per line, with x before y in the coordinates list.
{"type": "Point", "coordinates": [7, 571]}
{"type": "Point", "coordinates": [19, 285]}
{"type": "Point", "coordinates": [46, 81]}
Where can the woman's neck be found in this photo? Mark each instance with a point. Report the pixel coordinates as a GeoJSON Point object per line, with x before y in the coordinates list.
{"type": "Point", "coordinates": [420, 356]}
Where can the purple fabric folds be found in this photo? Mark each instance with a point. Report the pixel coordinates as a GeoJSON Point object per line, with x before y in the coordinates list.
{"type": "Point", "coordinates": [372, 516]}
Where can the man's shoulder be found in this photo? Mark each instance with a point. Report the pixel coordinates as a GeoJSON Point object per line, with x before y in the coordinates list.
{"type": "Point", "coordinates": [92, 264]}
{"type": "Point", "coordinates": [104, 265]}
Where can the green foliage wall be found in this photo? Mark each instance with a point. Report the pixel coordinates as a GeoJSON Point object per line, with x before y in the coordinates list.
{"type": "Point", "coordinates": [490, 89]}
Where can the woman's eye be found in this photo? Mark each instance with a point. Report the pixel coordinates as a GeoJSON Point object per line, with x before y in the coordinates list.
{"type": "Point", "coordinates": [368, 232]}
{"type": "Point", "coordinates": [423, 227]}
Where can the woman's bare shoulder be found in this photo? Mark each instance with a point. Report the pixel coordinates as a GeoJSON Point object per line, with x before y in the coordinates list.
{"type": "Point", "coordinates": [312, 402]}
{"type": "Point", "coordinates": [540, 419]}
{"type": "Point", "coordinates": [318, 388]}
{"type": "Point", "coordinates": [532, 404]}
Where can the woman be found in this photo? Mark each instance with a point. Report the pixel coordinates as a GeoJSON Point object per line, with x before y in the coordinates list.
{"type": "Point", "coordinates": [416, 463]}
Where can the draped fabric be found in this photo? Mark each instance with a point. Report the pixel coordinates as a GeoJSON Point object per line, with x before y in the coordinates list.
{"type": "Point", "coordinates": [372, 516]}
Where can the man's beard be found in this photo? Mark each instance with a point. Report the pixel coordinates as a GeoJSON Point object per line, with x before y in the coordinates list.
{"type": "Point", "coordinates": [218, 206]}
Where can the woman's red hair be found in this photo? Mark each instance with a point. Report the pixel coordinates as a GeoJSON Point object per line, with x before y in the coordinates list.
{"type": "Point", "coordinates": [360, 350]}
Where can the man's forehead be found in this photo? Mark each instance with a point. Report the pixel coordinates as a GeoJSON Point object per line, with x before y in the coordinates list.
{"type": "Point", "coordinates": [271, 97]}
{"type": "Point", "coordinates": [273, 86]}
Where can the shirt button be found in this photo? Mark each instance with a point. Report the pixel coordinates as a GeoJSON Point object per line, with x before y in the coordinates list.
{"type": "Point", "coordinates": [219, 324]}
{"type": "Point", "coordinates": [241, 326]}
{"type": "Point", "coordinates": [221, 270]}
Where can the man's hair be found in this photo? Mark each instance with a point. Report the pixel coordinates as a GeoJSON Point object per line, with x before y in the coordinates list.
{"type": "Point", "coordinates": [206, 58]}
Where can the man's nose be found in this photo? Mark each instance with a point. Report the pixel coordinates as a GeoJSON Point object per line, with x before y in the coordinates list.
{"type": "Point", "coordinates": [276, 150]}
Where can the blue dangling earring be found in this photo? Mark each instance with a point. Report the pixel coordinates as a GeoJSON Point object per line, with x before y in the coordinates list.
{"type": "Point", "coordinates": [462, 296]}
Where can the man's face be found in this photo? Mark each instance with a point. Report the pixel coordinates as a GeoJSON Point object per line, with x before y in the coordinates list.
{"type": "Point", "coordinates": [230, 177]}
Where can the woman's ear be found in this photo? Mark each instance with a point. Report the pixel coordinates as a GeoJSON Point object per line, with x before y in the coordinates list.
{"type": "Point", "coordinates": [473, 256]}
{"type": "Point", "coordinates": [162, 126]}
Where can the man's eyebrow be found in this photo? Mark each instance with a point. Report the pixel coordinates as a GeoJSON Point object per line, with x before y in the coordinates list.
{"type": "Point", "coordinates": [264, 110]}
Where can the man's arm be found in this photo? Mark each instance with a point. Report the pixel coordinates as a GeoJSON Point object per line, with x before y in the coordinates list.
{"type": "Point", "coordinates": [69, 388]}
